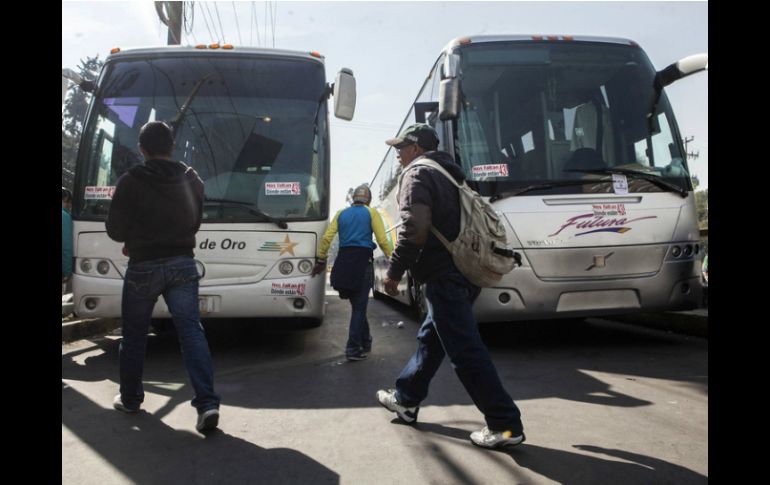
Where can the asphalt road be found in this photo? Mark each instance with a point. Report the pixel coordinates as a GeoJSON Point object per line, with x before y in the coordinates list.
{"type": "Point", "coordinates": [602, 402]}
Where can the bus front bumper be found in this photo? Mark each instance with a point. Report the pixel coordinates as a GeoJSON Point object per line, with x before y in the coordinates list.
{"type": "Point", "coordinates": [523, 296]}
{"type": "Point", "coordinates": [276, 298]}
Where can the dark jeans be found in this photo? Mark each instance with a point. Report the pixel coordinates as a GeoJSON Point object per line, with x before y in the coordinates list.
{"type": "Point", "coordinates": [175, 278]}
{"type": "Point", "coordinates": [450, 329]}
{"type": "Point", "coordinates": [359, 338]}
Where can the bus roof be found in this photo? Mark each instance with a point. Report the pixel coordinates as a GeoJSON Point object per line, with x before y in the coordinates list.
{"type": "Point", "coordinates": [476, 39]}
{"type": "Point", "coordinates": [192, 50]}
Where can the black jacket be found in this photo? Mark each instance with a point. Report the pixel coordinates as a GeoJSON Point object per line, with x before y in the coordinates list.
{"type": "Point", "coordinates": [426, 197]}
{"type": "Point", "coordinates": [156, 210]}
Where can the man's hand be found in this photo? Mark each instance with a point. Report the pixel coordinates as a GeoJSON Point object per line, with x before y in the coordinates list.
{"type": "Point", "coordinates": [391, 286]}
{"type": "Point", "coordinates": [319, 267]}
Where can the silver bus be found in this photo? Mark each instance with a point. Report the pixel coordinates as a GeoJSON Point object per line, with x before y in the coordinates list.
{"type": "Point", "coordinates": [573, 141]}
{"type": "Point", "coordinates": [254, 124]}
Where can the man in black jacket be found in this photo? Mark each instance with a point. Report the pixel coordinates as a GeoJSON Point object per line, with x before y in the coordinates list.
{"type": "Point", "coordinates": [426, 197]}
{"type": "Point", "coordinates": [156, 210]}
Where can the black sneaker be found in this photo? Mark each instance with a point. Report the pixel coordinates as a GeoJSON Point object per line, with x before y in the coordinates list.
{"type": "Point", "coordinates": [361, 355]}
{"type": "Point", "coordinates": [207, 420]}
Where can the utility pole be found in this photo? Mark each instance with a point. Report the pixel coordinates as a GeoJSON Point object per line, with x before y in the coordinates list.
{"type": "Point", "coordinates": [693, 155]}
{"type": "Point", "coordinates": [171, 17]}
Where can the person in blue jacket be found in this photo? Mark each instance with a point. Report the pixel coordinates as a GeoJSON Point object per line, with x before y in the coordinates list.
{"type": "Point", "coordinates": [352, 272]}
{"type": "Point", "coordinates": [66, 235]}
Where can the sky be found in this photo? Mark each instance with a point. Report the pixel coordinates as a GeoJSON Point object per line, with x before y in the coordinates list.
{"type": "Point", "coordinates": [391, 46]}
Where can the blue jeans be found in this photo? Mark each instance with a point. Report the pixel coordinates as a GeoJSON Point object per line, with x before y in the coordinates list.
{"type": "Point", "coordinates": [359, 338]}
{"type": "Point", "coordinates": [176, 278]}
{"type": "Point", "coordinates": [450, 329]}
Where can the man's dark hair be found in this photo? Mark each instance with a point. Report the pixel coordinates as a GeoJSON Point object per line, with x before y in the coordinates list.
{"type": "Point", "coordinates": [66, 195]}
{"type": "Point", "coordinates": [157, 138]}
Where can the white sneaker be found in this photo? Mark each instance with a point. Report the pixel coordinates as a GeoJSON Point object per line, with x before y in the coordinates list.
{"type": "Point", "coordinates": [208, 420]}
{"type": "Point", "coordinates": [496, 439]}
{"type": "Point", "coordinates": [117, 403]}
{"type": "Point", "coordinates": [388, 401]}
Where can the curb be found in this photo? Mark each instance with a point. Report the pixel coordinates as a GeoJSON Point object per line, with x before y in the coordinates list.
{"type": "Point", "coordinates": [688, 323]}
{"type": "Point", "coordinates": [90, 327]}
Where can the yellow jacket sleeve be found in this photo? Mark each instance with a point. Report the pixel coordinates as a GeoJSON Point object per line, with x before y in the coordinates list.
{"type": "Point", "coordinates": [328, 236]}
{"type": "Point", "coordinates": [379, 232]}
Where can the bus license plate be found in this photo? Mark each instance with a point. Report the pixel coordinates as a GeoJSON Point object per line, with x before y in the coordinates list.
{"type": "Point", "coordinates": [205, 304]}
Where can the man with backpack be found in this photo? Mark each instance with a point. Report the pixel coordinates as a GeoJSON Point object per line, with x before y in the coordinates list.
{"type": "Point", "coordinates": [429, 202]}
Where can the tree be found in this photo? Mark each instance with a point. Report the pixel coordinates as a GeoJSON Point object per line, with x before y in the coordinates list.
{"type": "Point", "coordinates": [73, 117]}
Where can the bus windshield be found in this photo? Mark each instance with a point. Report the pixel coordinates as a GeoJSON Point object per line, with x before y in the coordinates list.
{"type": "Point", "coordinates": [253, 128]}
{"type": "Point", "coordinates": [534, 115]}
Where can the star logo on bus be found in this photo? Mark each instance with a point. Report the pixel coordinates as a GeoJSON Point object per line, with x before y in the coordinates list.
{"type": "Point", "coordinates": [287, 246]}
{"type": "Point", "coordinates": [283, 247]}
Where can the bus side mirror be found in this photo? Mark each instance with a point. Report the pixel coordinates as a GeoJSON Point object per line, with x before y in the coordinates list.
{"type": "Point", "coordinates": [449, 99]}
{"type": "Point", "coordinates": [682, 68]}
{"type": "Point", "coordinates": [345, 94]}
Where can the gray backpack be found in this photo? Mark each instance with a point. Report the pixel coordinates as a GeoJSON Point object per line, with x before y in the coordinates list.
{"type": "Point", "coordinates": [481, 251]}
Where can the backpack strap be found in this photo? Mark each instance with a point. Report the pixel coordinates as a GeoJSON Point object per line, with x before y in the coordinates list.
{"type": "Point", "coordinates": [427, 162]}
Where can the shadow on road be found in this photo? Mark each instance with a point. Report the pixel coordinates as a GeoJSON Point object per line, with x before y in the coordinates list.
{"type": "Point", "coordinates": [263, 369]}
{"type": "Point", "coordinates": [578, 469]}
{"type": "Point", "coordinates": [145, 450]}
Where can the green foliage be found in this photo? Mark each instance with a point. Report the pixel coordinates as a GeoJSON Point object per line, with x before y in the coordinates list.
{"type": "Point", "coordinates": [73, 117]}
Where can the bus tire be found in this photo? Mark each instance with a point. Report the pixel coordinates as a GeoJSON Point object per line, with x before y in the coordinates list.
{"type": "Point", "coordinates": [418, 300]}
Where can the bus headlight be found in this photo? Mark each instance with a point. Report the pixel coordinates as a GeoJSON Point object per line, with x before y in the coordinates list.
{"type": "Point", "coordinates": [103, 267]}
{"type": "Point", "coordinates": [85, 266]}
{"type": "Point", "coordinates": [676, 251]}
{"type": "Point", "coordinates": [286, 267]}
{"type": "Point", "coordinates": [305, 266]}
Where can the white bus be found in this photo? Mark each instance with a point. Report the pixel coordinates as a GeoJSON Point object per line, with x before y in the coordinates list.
{"type": "Point", "coordinates": [253, 123]}
{"type": "Point", "coordinates": [573, 141]}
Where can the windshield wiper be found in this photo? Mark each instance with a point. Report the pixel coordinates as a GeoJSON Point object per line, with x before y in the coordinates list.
{"type": "Point", "coordinates": [548, 185]}
{"type": "Point", "coordinates": [252, 209]}
{"type": "Point", "coordinates": [176, 121]}
{"type": "Point", "coordinates": [654, 179]}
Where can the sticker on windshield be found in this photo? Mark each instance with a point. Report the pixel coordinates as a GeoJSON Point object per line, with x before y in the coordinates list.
{"type": "Point", "coordinates": [99, 193]}
{"type": "Point", "coordinates": [282, 188]}
{"type": "Point", "coordinates": [287, 289]}
{"type": "Point", "coordinates": [619, 183]}
{"type": "Point", "coordinates": [495, 170]}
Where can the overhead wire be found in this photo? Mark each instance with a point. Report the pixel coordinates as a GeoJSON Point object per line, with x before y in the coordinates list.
{"type": "Point", "coordinates": [216, 9]}
{"type": "Point", "coordinates": [189, 29]}
{"type": "Point", "coordinates": [203, 13]}
{"type": "Point", "coordinates": [238, 27]}
{"type": "Point", "coordinates": [255, 20]}
{"type": "Point", "coordinates": [273, 13]}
